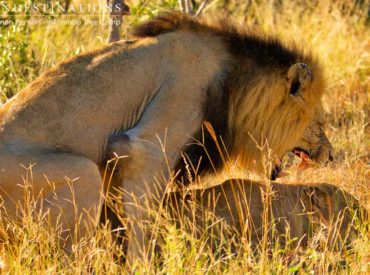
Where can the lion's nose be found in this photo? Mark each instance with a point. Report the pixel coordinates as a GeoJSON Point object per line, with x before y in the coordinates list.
{"type": "Point", "coordinates": [331, 158]}
{"type": "Point", "coordinates": [322, 155]}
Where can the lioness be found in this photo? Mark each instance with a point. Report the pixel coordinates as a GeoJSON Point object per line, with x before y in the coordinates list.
{"type": "Point", "coordinates": [314, 143]}
{"type": "Point", "coordinates": [251, 209]}
{"type": "Point", "coordinates": [257, 95]}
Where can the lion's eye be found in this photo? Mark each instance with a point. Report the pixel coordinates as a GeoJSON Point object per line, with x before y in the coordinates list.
{"type": "Point", "coordinates": [294, 88]}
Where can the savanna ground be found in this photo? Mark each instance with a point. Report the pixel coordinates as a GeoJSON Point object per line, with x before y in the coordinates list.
{"type": "Point", "coordinates": [339, 31]}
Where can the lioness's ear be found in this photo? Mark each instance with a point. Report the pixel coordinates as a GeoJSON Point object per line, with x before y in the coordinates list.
{"type": "Point", "coordinates": [299, 75]}
{"type": "Point", "coordinates": [318, 200]}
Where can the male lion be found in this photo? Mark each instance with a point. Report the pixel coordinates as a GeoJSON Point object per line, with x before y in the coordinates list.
{"type": "Point", "coordinates": [250, 209]}
{"type": "Point", "coordinates": [177, 73]}
{"type": "Point", "coordinates": [314, 142]}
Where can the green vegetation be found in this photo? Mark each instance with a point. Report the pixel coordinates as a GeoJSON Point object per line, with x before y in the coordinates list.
{"type": "Point", "coordinates": [339, 31]}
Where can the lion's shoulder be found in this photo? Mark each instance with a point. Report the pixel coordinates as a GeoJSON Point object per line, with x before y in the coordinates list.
{"type": "Point", "coordinates": [267, 50]}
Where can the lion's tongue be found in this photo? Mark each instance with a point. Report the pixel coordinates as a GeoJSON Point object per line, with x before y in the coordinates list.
{"type": "Point", "coordinates": [306, 161]}
{"type": "Point", "coordinates": [282, 174]}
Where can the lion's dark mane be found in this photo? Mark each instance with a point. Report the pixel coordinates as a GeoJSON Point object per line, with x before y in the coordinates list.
{"type": "Point", "coordinates": [266, 53]}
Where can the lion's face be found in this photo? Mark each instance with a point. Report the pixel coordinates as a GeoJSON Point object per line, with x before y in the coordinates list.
{"type": "Point", "coordinates": [315, 143]}
{"type": "Point", "coordinates": [279, 115]}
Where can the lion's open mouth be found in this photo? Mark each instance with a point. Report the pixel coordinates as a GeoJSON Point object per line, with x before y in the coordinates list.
{"type": "Point", "coordinates": [306, 162]}
{"type": "Point", "coordinates": [304, 155]}
{"type": "Point", "coordinates": [298, 151]}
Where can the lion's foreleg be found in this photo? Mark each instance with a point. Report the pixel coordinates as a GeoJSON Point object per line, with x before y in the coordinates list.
{"type": "Point", "coordinates": [152, 149]}
{"type": "Point", "coordinates": [143, 185]}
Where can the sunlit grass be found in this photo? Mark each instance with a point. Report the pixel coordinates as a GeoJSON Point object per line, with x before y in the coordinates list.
{"type": "Point", "coordinates": [338, 31]}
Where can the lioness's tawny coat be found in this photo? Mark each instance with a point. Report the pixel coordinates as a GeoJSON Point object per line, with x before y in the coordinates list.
{"type": "Point", "coordinates": [249, 209]}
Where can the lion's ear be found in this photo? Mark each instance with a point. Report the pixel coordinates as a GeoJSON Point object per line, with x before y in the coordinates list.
{"type": "Point", "coordinates": [299, 75]}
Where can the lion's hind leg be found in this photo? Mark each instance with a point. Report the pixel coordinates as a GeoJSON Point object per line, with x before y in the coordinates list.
{"type": "Point", "coordinates": [65, 186]}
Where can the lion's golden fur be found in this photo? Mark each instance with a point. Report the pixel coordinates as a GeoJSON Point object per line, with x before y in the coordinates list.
{"type": "Point", "coordinates": [314, 141]}
{"type": "Point", "coordinates": [260, 114]}
{"type": "Point", "coordinates": [176, 74]}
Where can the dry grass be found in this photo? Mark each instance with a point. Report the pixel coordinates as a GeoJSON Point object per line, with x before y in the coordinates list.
{"type": "Point", "coordinates": [339, 31]}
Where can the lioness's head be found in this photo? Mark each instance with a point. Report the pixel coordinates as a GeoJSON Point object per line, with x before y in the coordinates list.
{"type": "Point", "coordinates": [334, 210]}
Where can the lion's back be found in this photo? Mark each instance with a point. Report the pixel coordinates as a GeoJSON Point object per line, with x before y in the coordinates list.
{"type": "Point", "coordinates": [74, 101]}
